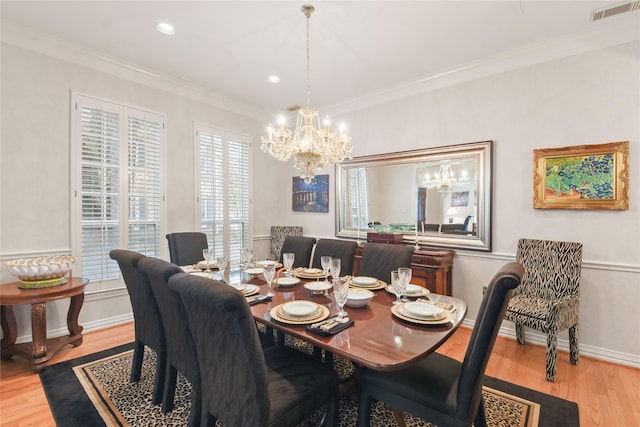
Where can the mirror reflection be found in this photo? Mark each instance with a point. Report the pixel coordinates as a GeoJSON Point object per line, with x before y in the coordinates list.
{"type": "Point", "coordinates": [437, 197]}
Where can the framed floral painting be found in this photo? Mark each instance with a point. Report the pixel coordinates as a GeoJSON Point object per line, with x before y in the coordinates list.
{"type": "Point", "coordinates": [582, 177]}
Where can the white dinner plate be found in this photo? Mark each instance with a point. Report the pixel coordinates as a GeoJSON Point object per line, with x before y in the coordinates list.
{"type": "Point", "coordinates": [203, 264]}
{"type": "Point", "coordinates": [287, 281]}
{"type": "Point", "coordinates": [413, 291]}
{"type": "Point", "coordinates": [267, 262]}
{"type": "Point", "coordinates": [247, 289]}
{"type": "Point", "coordinates": [202, 274]}
{"type": "Point", "coordinates": [364, 281]}
{"type": "Point", "coordinates": [317, 286]}
{"type": "Point", "coordinates": [423, 310]}
{"type": "Point", "coordinates": [254, 271]}
{"type": "Point", "coordinates": [300, 308]}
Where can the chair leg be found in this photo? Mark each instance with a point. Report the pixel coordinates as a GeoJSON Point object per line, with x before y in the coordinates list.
{"type": "Point", "coordinates": [481, 417]}
{"type": "Point", "coordinates": [520, 333]}
{"type": "Point", "coordinates": [574, 355]}
{"type": "Point", "coordinates": [195, 416]}
{"type": "Point", "coordinates": [552, 350]}
{"type": "Point", "coordinates": [136, 366]}
{"type": "Point", "coordinates": [169, 388]}
{"type": "Point", "coordinates": [158, 388]}
{"type": "Point", "coordinates": [364, 411]}
{"type": "Point", "coordinates": [331, 418]}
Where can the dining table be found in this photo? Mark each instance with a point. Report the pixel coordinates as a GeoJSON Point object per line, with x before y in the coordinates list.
{"type": "Point", "coordinates": [378, 338]}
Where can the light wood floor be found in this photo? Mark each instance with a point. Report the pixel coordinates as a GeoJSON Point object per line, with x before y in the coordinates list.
{"type": "Point", "coordinates": [607, 394]}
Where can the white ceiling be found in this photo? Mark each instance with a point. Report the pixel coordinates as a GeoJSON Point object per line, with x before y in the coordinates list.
{"type": "Point", "coordinates": [357, 47]}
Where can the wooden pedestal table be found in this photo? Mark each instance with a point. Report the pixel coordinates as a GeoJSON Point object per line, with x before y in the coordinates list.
{"type": "Point", "coordinates": [41, 349]}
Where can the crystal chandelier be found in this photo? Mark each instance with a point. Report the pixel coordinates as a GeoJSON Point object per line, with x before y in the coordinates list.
{"type": "Point", "coordinates": [444, 180]}
{"type": "Point", "coordinates": [311, 144]}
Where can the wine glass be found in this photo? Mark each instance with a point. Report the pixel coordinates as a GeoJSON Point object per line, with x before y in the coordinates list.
{"type": "Point", "coordinates": [335, 268]}
{"type": "Point", "coordinates": [222, 265]}
{"type": "Point", "coordinates": [243, 257]}
{"type": "Point", "coordinates": [341, 293]}
{"type": "Point", "coordinates": [396, 286]}
{"type": "Point", "coordinates": [287, 260]}
{"type": "Point", "coordinates": [208, 255]}
{"type": "Point", "coordinates": [404, 274]}
{"type": "Point", "coordinates": [269, 271]}
{"type": "Point", "coordinates": [326, 266]}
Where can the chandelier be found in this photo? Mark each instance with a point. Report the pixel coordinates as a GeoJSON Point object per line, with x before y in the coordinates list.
{"type": "Point", "coordinates": [311, 144]}
{"type": "Point", "coordinates": [444, 180]}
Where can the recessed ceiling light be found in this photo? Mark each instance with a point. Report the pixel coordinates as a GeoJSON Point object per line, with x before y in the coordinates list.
{"type": "Point", "coordinates": [165, 28]}
{"type": "Point", "coordinates": [274, 79]}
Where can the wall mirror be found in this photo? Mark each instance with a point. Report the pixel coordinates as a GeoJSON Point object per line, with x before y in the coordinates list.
{"type": "Point", "coordinates": [437, 197]}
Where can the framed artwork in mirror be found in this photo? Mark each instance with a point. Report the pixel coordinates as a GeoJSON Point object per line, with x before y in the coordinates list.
{"type": "Point", "coordinates": [311, 197]}
{"type": "Point", "coordinates": [582, 177]}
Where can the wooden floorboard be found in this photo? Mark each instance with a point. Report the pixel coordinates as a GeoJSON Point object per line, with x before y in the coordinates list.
{"type": "Point", "coordinates": [607, 394]}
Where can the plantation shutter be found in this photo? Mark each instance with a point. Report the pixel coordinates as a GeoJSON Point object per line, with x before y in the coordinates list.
{"type": "Point", "coordinates": [359, 210]}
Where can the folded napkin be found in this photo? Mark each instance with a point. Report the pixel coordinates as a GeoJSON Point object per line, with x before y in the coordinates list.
{"type": "Point", "coordinates": [329, 326]}
{"type": "Point", "coordinates": [257, 299]}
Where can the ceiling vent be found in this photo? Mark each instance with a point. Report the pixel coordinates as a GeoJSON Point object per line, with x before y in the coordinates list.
{"type": "Point", "coordinates": [599, 14]}
{"type": "Point", "coordinates": [292, 108]}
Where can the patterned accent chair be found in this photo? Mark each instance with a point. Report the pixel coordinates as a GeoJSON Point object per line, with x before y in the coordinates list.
{"type": "Point", "coordinates": [278, 233]}
{"type": "Point", "coordinates": [548, 299]}
{"type": "Point", "coordinates": [440, 389]}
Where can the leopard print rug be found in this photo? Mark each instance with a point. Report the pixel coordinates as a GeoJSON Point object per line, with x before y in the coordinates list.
{"type": "Point", "coordinates": [121, 403]}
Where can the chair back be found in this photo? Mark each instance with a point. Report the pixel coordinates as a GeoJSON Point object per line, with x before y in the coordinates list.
{"type": "Point", "coordinates": [379, 259]}
{"type": "Point", "coordinates": [186, 248]}
{"type": "Point", "coordinates": [180, 346]}
{"type": "Point", "coordinates": [343, 249]}
{"type": "Point", "coordinates": [232, 366]}
{"type": "Point", "coordinates": [483, 337]}
{"type": "Point", "coordinates": [552, 268]}
{"type": "Point", "coordinates": [146, 315]}
{"type": "Point", "coordinates": [278, 233]}
{"type": "Point", "coordinates": [301, 246]}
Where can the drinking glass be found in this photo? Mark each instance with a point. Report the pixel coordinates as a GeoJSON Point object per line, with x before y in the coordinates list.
{"type": "Point", "coordinates": [222, 265]}
{"type": "Point", "coordinates": [326, 266]}
{"type": "Point", "coordinates": [335, 268]}
{"type": "Point", "coordinates": [341, 293]}
{"type": "Point", "coordinates": [287, 260]}
{"type": "Point", "coordinates": [269, 271]}
{"type": "Point", "coordinates": [208, 255]}
{"type": "Point", "coordinates": [404, 274]}
{"type": "Point", "coordinates": [243, 257]}
{"type": "Point", "coordinates": [396, 286]}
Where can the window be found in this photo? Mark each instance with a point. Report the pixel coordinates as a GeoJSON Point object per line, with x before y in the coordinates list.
{"type": "Point", "coordinates": [118, 186]}
{"type": "Point", "coordinates": [358, 211]}
{"type": "Point", "coordinates": [224, 177]}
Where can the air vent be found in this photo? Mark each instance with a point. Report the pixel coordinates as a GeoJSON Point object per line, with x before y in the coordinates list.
{"type": "Point", "coordinates": [597, 15]}
{"type": "Point", "coordinates": [292, 108]}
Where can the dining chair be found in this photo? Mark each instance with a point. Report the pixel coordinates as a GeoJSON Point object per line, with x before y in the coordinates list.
{"type": "Point", "coordinates": [243, 384]}
{"type": "Point", "coordinates": [379, 259]}
{"type": "Point", "coordinates": [147, 320]}
{"type": "Point", "coordinates": [549, 298]}
{"type": "Point", "coordinates": [335, 248]}
{"type": "Point", "coordinates": [181, 350]}
{"type": "Point", "coordinates": [440, 389]}
{"type": "Point", "coordinates": [185, 248]}
{"type": "Point", "coordinates": [278, 234]}
{"type": "Point", "coordinates": [301, 246]}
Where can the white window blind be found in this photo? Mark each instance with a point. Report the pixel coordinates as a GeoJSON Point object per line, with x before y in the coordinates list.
{"type": "Point", "coordinates": [358, 209]}
{"type": "Point", "coordinates": [118, 187]}
{"type": "Point", "coordinates": [224, 179]}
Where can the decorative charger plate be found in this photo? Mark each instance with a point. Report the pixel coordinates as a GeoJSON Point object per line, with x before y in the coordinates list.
{"type": "Point", "coordinates": [265, 262]}
{"type": "Point", "coordinates": [398, 311]}
{"type": "Point", "coordinates": [364, 282]}
{"type": "Point", "coordinates": [287, 281]}
{"type": "Point", "coordinates": [309, 273]}
{"type": "Point", "coordinates": [379, 285]}
{"type": "Point", "coordinates": [203, 264]}
{"type": "Point", "coordinates": [420, 292]}
{"type": "Point", "coordinates": [277, 314]}
{"type": "Point", "coordinates": [247, 289]}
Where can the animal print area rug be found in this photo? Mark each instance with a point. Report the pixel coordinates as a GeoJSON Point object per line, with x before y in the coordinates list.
{"type": "Point", "coordinates": [95, 391]}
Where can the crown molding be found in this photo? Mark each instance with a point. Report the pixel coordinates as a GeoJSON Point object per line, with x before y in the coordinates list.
{"type": "Point", "coordinates": [528, 56]}
{"type": "Point", "coordinates": [27, 38]}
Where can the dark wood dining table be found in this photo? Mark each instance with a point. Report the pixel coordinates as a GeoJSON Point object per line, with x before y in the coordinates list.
{"type": "Point", "coordinates": [377, 340]}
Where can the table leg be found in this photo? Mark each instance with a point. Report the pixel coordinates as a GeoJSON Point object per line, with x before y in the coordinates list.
{"type": "Point", "coordinates": [9, 330]}
{"type": "Point", "coordinates": [72, 317]}
{"type": "Point", "coordinates": [39, 329]}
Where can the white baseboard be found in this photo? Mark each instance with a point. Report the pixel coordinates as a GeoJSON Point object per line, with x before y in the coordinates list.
{"type": "Point", "coordinates": [585, 350]}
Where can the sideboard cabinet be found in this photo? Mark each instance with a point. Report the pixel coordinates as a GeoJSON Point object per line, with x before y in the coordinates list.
{"type": "Point", "coordinates": [430, 268]}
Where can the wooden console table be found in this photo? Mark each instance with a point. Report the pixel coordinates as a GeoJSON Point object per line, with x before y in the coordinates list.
{"type": "Point", "coordinates": [41, 349]}
{"type": "Point", "coordinates": [431, 268]}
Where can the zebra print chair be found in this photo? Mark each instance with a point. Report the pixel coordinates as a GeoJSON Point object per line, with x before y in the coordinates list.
{"type": "Point", "coordinates": [548, 298]}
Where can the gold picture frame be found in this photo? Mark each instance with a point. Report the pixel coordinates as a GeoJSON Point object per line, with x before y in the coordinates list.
{"type": "Point", "coordinates": [582, 177]}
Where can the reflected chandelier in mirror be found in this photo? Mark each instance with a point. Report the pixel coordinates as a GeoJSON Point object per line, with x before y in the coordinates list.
{"type": "Point", "coordinates": [433, 197]}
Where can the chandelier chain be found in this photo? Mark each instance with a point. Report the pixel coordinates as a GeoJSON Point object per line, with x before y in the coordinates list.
{"type": "Point", "coordinates": [308, 15]}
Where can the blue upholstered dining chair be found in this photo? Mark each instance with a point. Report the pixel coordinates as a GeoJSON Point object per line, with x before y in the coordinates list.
{"type": "Point", "coordinates": [185, 248]}
{"type": "Point", "coordinates": [147, 321]}
{"type": "Point", "coordinates": [243, 384]}
{"type": "Point", "coordinates": [181, 350]}
{"type": "Point", "coordinates": [440, 389]}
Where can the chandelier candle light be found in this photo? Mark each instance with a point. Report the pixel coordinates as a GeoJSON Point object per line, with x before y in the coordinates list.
{"type": "Point", "coordinates": [311, 144]}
